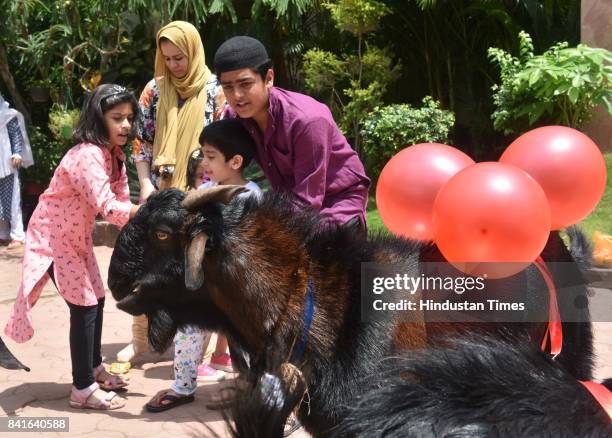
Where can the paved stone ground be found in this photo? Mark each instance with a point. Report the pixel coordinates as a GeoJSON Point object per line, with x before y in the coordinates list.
{"type": "Point", "coordinates": [44, 391]}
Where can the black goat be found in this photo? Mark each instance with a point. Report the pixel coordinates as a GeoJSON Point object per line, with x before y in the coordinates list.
{"type": "Point", "coordinates": [479, 387]}
{"type": "Point", "coordinates": [247, 269]}
{"type": "Point", "coordinates": [471, 387]}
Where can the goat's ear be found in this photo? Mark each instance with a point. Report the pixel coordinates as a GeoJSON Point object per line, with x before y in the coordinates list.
{"type": "Point", "coordinates": [224, 194]}
{"type": "Point", "coordinates": [194, 255]}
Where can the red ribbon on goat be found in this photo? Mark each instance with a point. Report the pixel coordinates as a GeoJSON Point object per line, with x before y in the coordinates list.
{"type": "Point", "coordinates": [554, 331]}
{"type": "Point", "coordinates": [601, 394]}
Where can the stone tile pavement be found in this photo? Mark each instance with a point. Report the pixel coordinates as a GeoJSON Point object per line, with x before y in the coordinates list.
{"type": "Point", "coordinates": [43, 392]}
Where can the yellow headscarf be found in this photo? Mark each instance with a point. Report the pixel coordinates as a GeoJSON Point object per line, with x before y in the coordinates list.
{"type": "Point", "coordinates": [177, 132]}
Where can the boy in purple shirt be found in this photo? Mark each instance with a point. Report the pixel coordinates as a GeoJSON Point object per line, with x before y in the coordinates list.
{"type": "Point", "coordinates": [299, 146]}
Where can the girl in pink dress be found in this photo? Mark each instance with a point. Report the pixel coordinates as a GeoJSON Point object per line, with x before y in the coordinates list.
{"type": "Point", "coordinates": [90, 180]}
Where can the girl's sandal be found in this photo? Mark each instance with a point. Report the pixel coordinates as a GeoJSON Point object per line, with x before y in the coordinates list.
{"type": "Point", "coordinates": [98, 400]}
{"type": "Point", "coordinates": [111, 382]}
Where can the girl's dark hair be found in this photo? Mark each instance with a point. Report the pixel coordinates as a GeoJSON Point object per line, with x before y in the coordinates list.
{"type": "Point", "coordinates": [195, 159]}
{"type": "Point", "coordinates": [91, 127]}
{"type": "Point", "coordinates": [230, 138]}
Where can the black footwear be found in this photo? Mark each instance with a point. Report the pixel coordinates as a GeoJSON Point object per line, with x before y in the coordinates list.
{"type": "Point", "coordinates": [173, 401]}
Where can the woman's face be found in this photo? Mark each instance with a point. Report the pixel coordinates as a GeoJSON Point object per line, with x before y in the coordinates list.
{"type": "Point", "coordinates": [176, 61]}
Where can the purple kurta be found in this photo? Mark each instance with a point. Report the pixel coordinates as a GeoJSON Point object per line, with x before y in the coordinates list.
{"type": "Point", "coordinates": [304, 152]}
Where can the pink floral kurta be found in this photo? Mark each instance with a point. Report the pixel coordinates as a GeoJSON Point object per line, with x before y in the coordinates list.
{"type": "Point", "coordinates": [60, 231]}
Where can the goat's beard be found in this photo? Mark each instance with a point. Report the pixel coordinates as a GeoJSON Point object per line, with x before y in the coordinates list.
{"type": "Point", "coordinates": [162, 328]}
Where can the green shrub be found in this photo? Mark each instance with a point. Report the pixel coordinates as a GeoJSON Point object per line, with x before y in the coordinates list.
{"type": "Point", "coordinates": [62, 122]}
{"type": "Point", "coordinates": [322, 70]}
{"type": "Point", "coordinates": [47, 154]}
{"type": "Point", "coordinates": [387, 130]}
{"type": "Point", "coordinates": [357, 16]}
{"type": "Point", "coordinates": [352, 84]}
{"type": "Point", "coordinates": [559, 87]}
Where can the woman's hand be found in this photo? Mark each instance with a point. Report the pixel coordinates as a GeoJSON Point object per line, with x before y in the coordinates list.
{"type": "Point", "coordinates": [134, 210]}
{"type": "Point", "coordinates": [143, 168]}
{"type": "Point", "coordinates": [16, 162]}
{"type": "Point", "coordinates": [146, 189]}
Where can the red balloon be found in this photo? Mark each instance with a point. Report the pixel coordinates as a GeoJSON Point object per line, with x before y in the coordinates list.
{"type": "Point", "coordinates": [491, 213]}
{"type": "Point", "coordinates": [568, 165]}
{"type": "Point", "coordinates": [409, 183]}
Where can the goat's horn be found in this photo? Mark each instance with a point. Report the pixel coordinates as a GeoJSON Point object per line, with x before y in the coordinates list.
{"type": "Point", "coordinates": [194, 256]}
{"type": "Point", "coordinates": [224, 194]}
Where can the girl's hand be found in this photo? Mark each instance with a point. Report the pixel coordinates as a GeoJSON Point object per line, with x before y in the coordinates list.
{"type": "Point", "coordinates": [146, 190]}
{"type": "Point", "coordinates": [16, 162]}
{"type": "Point", "coordinates": [134, 210]}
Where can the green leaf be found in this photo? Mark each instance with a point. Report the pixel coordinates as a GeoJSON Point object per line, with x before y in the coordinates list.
{"type": "Point", "coordinates": [535, 76]}
{"type": "Point", "coordinates": [536, 113]}
{"type": "Point", "coordinates": [577, 81]}
{"type": "Point", "coordinates": [573, 93]}
{"type": "Point", "coordinates": [608, 104]}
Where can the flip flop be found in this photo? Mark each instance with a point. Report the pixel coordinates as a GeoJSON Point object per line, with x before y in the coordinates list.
{"type": "Point", "coordinates": [173, 401]}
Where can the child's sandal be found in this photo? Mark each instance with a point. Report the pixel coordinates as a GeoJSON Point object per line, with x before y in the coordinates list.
{"type": "Point", "coordinates": [111, 382]}
{"type": "Point", "coordinates": [98, 400]}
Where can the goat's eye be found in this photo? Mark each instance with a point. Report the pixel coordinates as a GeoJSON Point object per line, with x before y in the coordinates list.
{"type": "Point", "coordinates": [161, 235]}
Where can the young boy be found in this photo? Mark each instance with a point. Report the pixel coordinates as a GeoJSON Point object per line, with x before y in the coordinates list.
{"type": "Point", "coordinates": [299, 146]}
{"type": "Point", "coordinates": [228, 149]}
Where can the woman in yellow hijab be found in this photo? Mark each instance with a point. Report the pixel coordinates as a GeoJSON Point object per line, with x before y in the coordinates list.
{"type": "Point", "coordinates": [176, 105]}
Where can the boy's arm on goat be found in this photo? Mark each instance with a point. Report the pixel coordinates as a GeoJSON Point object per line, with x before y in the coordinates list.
{"type": "Point", "coordinates": [312, 151]}
{"type": "Point", "coordinates": [93, 183]}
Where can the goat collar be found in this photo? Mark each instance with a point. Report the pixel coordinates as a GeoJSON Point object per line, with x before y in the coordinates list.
{"type": "Point", "coordinates": [308, 313]}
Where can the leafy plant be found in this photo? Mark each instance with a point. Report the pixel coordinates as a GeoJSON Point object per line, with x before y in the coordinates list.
{"type": "Point", "coordinates": [322, 71]}
{"type": "Point", "coordinates": [62, 122]}
{"type": "Point", "coordinates": [560, 86]}
{"type": "Point", "coordinates": [388, 129]}
{"type": "Point", "coordinates": [352, 84]}
{"type": "Point", "coordinates": [47, 155]}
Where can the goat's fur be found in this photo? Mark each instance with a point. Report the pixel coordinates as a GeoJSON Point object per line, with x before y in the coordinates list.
{"type": "Point", "coordinates": [472, 387]}
{"type": "Point", "coordinates": [259, 256]}
{"type": "Point", "coordinates": [475, 388]}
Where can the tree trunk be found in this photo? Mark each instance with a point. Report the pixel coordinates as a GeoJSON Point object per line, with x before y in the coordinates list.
{"type": "Point", "coordinates": [7, 78]}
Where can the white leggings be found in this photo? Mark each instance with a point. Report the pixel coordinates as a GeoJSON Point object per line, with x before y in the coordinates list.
{"type": "Point", "coordinates": [188, 354]}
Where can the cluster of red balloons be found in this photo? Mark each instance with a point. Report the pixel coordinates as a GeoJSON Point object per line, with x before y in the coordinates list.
{"type": "Point", "coordinates": [492, 212]}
